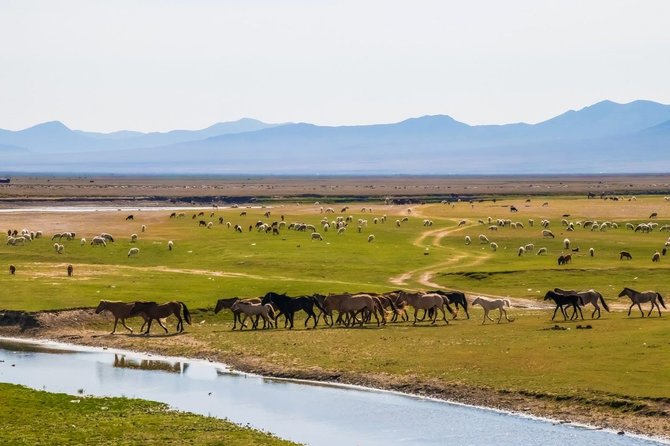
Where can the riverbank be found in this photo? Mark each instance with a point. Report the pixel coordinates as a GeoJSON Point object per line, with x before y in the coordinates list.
{"type": "Point", "coordinates": [632, 414]}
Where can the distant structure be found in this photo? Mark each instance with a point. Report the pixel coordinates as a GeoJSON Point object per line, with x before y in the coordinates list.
{"type": "Point", "coordinates": [5, 180]}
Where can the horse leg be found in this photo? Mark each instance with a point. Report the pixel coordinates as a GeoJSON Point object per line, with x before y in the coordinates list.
{"type": "Point", "coordinates": [149, 325]}
{"type": "Point", "coordinates": [652, 309]}
{"type": "Point", "coordinates": [466, 311]}
{"type": "Point", "coordinates": [630, 308]}
{"type": "Point", "coordinates": [505, 311]}
{"type": "Point", "coordinates": [658, 307]}
{"type": "Point", "coordinates": [162, 326]}
{"type": "Point", "coordinates": [485, 314]}
{"type": "Point", "coordinates": [554, 315]}
{"type": "Point", "coordinates": [444, 315]}
{"type": "Point", "coordinates": [123, 321]}
{"type": "Point", "coordinates": [501, 313]}
{"type": "Point", "coordinates": [577, 307]}
{"type": "Point", "coordinates": [290, 315]}
{"type": "Point", "coordinates": [116, 321]}
{"type": "Point", "coordinates": [640, 307]}
{"type": "Point", "coordinates": [242, 321]}
{"type": "Point", "coordinates": [415, 311]}
{"type": "Point", "coordinates": [180, 324]}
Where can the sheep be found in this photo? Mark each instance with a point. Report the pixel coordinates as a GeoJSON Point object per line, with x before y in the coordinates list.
{"type": "Point", "coordinates": [483, 239]}
{"type": "Point", "coordinates": [133, 238]}
{"type": "Point", "coordinates": [107, 237]}
{"type": "Point", "coordinates": [397, 223]}
{"type": "Point", "coordinates": [82, 242]}
{"type": "Point", "coordinates": [540, 251]}
{"type": "Point", "coordinates": [548, 233]}
{"type": "Point", "coordinates": [60, 249]}
{"type": "Point", "coordinates": [630, 226]}
{"type": "Point", "coordinates": [38, 234]}
{"type": "Point", "coordinates": [462, 223]}
{"type": "Point", "coordinates": [371, 238]}
{"type": "Point", "coordinates": [544, 223]}
{"type": "Point", "coordinates": [12, 269]}
{"type": "Point", "coordinates": [56, 245]}
{"type": "Point", "coordinates": [70, 270]}
{"type": "Point", "coordinates": [592, 252]}
{"type": "Point", "coordinates": [494, 246]}
{"type": "Point", "coordinates": [340, 231]}
{"type": "Point", "coordinates": [566, 243]}
{"type": "Point", "coordinates": [493, 228]}
{"type": "Point", "coordinates": [210, 225]}
{"type": "Point", "coordinates": [326, 226]}
{"type": "Point", "coordinates": [375, 220]}
{"type": "Point", "coordinates": [144, 228]}
{"type": "Point", "coordinates": [521, 251]}
{"type": "Point", "coordinates": [98, 241]}
{"type": "Point", "coordinates": [531, 222]}
{"type": "Point", "coordinates": [656, 257]}
{"type": "Point", "coordinates": [170, 245]}
{"type": "Point", "coordinates": [228, 225]}
{"type": "Point", "coordinates": [317, 236]}
{"type": "Point", "coordinates": [133, 251]}
{"type": "Point", "coordinates": [529, 247]}
{"type": "Point", "coordinates": [468, 240]}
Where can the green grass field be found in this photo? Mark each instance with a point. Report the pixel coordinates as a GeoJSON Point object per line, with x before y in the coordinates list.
{"type": "Point", "coordinates": [620, 359]}
{"type": "Point", "coordinates": [30, 417]}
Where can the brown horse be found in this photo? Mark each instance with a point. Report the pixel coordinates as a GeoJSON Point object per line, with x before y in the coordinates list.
{"type": "Point", "coordinates": [161, 311]}
{"type": "Point", "coordinates": [425, 301]}
{"type": "Point", "coordinates": [228, 304]}
{"type": "Point", "coordinates": [350, 305]}
{"type": "Point", "coordinates": [120, 310]}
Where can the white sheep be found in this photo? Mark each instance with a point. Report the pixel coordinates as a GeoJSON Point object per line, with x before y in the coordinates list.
{"type": "Point", "coordinates": [468, 240]}
{"type": "Point", "coordinates": [462, 223]}
{"type": "Point", "coordinates": [98, 241]}
{"type": "Point", "coordinates": [547, 233]}
{"type": "Point", "coordinates": [60, 249]}
{"type": "Point", "coordinates": [493, 228]}
{"type": "Point", "coordinates": [210, 225]}
{"type": "Point", "coordinates": [521, 251]}
{"type": "Point", "coordinates": [531, 222]}
{"type": "Point", "coordinates": [541, 251]}
{"type": "Point", "coordinates": [483, 238]}
{"type": "Point", "coordinates": [494, 246]}
{"type": "Point", "coordinates": [397, 223]}
{"type": "Point", "coordinates": [371, 238]}
{"type": "Point", "coordinates": [144, 228]}
{"type": "Point", "coordinates": [529, 247]}
{"type": "Point", "coordinates": [592, 252]}
{"type": "Point", "coordinates": [82, 242]}
{"type": "Point", "coordinates": [317, 236]}
{"type": "Point", "coordinates": [341, 230]}
{"type": "Point", "coordinates": [170, 245]}
{"type": "Point", "coordinates": [133, 251]}
{"type": "Point", "coordinates": [133, 238]}
{"type": "Point", "coordinates": [566, 243]}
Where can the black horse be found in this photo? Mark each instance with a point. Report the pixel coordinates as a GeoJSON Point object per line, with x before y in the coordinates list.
{"type": "Point", "coordinates": [454, 297]}
{"type": "Point", "coordinates": [288, 306]}
{"type": "Point", "coordinates": [563, 300]}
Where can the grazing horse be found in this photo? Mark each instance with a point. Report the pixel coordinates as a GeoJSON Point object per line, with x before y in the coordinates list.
{"type": "Point", "coordinates": [228, 303]}
{"type": "Point", "coordinates": [248, 309]}
{"type": "Point", "coordinates": [288, 306]}
{"type": "Point", "coordinates": [161, 311]}
{"type": "Point", "coordinates": [492, 304]}
{"type": "Point", "coordinates": [562, 300]}
{"type": "Point", "coordinates": [564, 259]}
{"type": "Point", "coordinates": [425, 301]}
{"type": "Point", "coordinates": [120, 310]}
{"type": "Point", "coordinates": [588, 297]}
{"type": "Point", "coordinates": [638, 298]}
{"type": "Point", "coordinates": [625, 255]}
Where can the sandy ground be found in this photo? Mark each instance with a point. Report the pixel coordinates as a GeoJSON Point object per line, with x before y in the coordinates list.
{"type": "Point", "coordinates": [649, 417]}
{"type": "Point", "coordinates": [131, 190]}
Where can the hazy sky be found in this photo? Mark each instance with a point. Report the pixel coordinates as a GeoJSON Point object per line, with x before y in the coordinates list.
{"type": "Point", "coordinates": [164, 64]}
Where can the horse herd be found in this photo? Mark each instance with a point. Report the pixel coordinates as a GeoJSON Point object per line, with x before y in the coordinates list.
{"type": "Point", "coordinates": [352, 310]}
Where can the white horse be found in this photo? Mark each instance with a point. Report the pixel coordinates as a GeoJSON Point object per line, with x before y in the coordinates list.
{"type": "Point", "coordinates": [492, 304]}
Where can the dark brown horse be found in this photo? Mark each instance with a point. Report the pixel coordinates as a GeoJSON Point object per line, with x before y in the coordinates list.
{"type": "Point", "coordinates": [120, 310]}
{"type": "Point", "coordinates": [161, 311]}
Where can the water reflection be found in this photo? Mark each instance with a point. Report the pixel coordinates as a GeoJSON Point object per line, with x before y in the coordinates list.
{"type": "Point", "coordinates": [122, 361]}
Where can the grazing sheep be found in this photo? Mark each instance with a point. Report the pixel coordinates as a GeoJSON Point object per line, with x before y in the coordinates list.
{"type": "Point", "coordinates": [82, 242]}
{"type": "Point", "coordinates": [375, 220]}
{"type": "Point", "coordinates": [210, 225]}
{"type": "Point", "coordinates": [133, 251]}
{"type": "Point", "coordinates": [493, 228]}
{"type": "Point", "coordinates": [133, 238]}
{"type": "Point", "coordinates": [656, 257]}
{"type": "Point", "coordinates": [521, 251]}
{"type": "Point", "coordinates": [483, 239]}
{"type": "Point", "coordinates": [566, 243]}
{"type": "Point", "coordinates": [592, 252]}
{"type": "Point", "coordinates": [544, 223]}
{"type": "Point", "coordinates": [371, 238]}
{"type": "Point", "coordinates": [60, 249]}
{"type": "Point", "coordinates": [494, 246]}
{"type": "Point", "coordinates": [341, 230]}
{"type": "Point", "coordinates": [317, 236]}
{"type": "Point", "coordinates": [38, 234]}
{"type": "Point", "coordinates": [56, 245]}
{"type": "Point", "coordinates": [529, 247]}
{"type": "Point", "coordinates": [462, 223]}
{"type": "Point", "coordinates": [70, 270]}
{"type": "Point", "coordinates": [548, 233]}
{"type": "Point", "coordinates": [541, 251]}
{"type": "Point", "coordinates": [630, 226]}
{"type": "Point", "coordinates": [144, 228]}
{"type": "Point", "coordinates": [12, 269]}
{"type": "Point", "coordinates": [397, 223]}
{"type": "Point", "coordinates": [107, 237]}
{"type": "Point", "coordinates": [98, 241]}
{"type": "Point", "coordinates": [531, 222]}
{"type": "Point", "coordinates": [468, 240]}
{"type": "Point", "coordinates": [170, 245]}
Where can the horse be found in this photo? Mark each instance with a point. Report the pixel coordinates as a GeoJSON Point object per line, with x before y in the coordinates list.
{"type": "Point", "coordinates": [250, 309]}
{"type": "Point", "coordinates": [588, 297]}
{"type": "Point", "coordinates": [492, 304]}
{"type": "Point", "coordinates": [161, 311]}
{"type": "Point", "coordinates": [625, 255]}
{"type": "Point", "coordinates": [561, 300]}
{"type": "Point", "coordinates": [228, 303]}
{"type": "Point", "coordinates": [454, 297]}
{"type": "Point", "coordinates": [350, 305]}
{"type": "Point", "coordinates": [12, 269]}
{"type": "Point", "coordinates": [564, 259]}
{"type": "Point", "coordinates": [70, 270]}
{"type": "Point", "coordinates": [289, 305]}
{"type": "Point", "coordinates": [421, 301]}
{"type": "Point", "coordinates": [120, 310]}
{"type": "Point", "coordinates": [641, 297]}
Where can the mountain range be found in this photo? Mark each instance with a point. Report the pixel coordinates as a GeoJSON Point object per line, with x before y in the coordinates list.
{"type": "Point", "coordinates": [605, 137]}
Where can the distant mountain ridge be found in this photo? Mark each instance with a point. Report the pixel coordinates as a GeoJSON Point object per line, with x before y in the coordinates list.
{"type": "Point", "coordinates": [603, 137]}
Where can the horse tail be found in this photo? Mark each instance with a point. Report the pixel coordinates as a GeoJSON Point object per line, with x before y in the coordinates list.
{"type": "Point", "coordinates": [602, 301]}
{"type": "Point", "coordinates": [450, 308]}
{"type": "Point", "coordinates": [187, 314]}
{"type": "Point", "coordinates": [660, 299]}
{"type": "Point", "coordinates": [392, 305]}
{"type": "Point", "coordinates": [315, 301]}
{"type": "Point", "coordinates": [465, 301]}
{"type": "Point", "coordinates": [271, 311]}
{"type": "Point", "coordinates": [506, 302]}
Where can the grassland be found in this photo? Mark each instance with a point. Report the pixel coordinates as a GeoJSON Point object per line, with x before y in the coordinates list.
{"type": "Point", "coordinates": [30, 417]}
{"type": "Point", "coordinates": [616, 373]}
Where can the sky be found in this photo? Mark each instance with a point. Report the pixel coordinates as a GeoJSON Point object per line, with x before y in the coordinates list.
{"type": "Point", "coordinates": [156, 65]}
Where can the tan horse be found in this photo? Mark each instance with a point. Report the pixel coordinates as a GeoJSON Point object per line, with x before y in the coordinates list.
{"type": "Point", "coordinates": [228, 304]}
{"type": "Point", "coordinates": [424, 301]}
{"type": "Point", "coordinates": [162, 311]}
{"type": "Point", "coordinates": [254, 309]}
{"type": "Point", "coordinates": [350, 305]}
{"type": "Point", "coordinates": [120, 310]}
